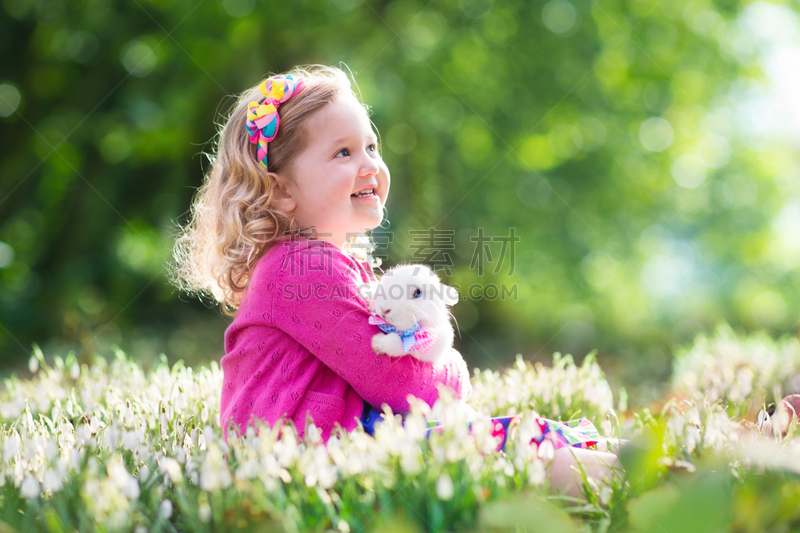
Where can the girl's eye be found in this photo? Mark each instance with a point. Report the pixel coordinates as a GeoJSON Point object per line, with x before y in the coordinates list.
{"type": "Point", "coordinates": [344, 151]}
{"type": "Point", "coordinates": [374, 147]}
{"type": "Point", "coordinates": [417, 293]}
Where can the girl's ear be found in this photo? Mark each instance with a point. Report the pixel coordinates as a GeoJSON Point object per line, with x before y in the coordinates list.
{"type": "Point", "coordinates": [282, 197]}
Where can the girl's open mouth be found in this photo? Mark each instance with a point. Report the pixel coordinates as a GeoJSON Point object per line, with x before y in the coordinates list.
{"type": "Point", "coordinates": [367, 193]}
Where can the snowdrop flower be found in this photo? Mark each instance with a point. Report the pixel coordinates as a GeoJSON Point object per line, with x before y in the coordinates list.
{"type": "Point", "coordinates": [214, 473]}
{"type": "Point", "coordinates": [29, 487]}
{"type": "Point", "coordinates": [180, 454]}
{"type": "Point", "coordinates": [546, 451]}
{"type": "Point", "coordinates": [165, 509]}
{"type": "Point", "coordinates": [204, 512]}
{"type": "Point", "coordinates": [11, 446]}
{"type": "Point", "coordinates": [248, 469]}
{"type": "Point", "coordinates": [313, 434]}
{"type": "Point", "coordinates": [111, 437]}
{"type": "Point", "coordinates": [763, 420]}
{"type": "Point", "coordinates": [126, 483]}
{"type": "Point", "coordinates": [536, 472]}
{"type": "Point", "coordinates": [605, 494]}
{"type": "Point", "coordinates": [692, 438]}
{"type": "Point", "coordinates": [171, 467]}
{"type": "Point", "coordinates": [180, 401]}
{"type": "Point", "coordinates": [52, 481]}
{"type": "Point", "coordinates": [444, 487]}
{"type": "Point", "coordinates": [130, 439]}
{"type": "Point", "coordinates": [411, 461]}
{"type": "Point", "coordinates": [286, 449]}
{"type": "Point", "coordinates": [607, 427]}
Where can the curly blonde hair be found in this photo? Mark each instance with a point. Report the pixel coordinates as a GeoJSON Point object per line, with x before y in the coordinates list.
{"type": "Point", "coordinates": [233, 218]}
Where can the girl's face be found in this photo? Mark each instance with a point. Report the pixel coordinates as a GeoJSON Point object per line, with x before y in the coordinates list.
{"type": "Point", "coordinates": [340, 159]}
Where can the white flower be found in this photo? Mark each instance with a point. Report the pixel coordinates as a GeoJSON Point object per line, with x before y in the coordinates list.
{"type": "Point", "coordinates": [75, 371]}
{"type": "Point", "coordinates": [29, 487]}
{"type": "Point", "coordinates": [411, 460]}
{"type": "Point", "coordinates": [214, 472]}
{"type": "Point", "coordinates": [546, 451]}
{"type": "Point", "coordinates": [172, 468]}
{"type": "Point", "coordinates": [444, 487]}
{"type": "Point", "coordinates": [536, 473]}
{"type": "Point", "coordinates": [605, 495]}
{"type": "Point", "coordinates": [204, 512]}
{"type": "Point", "coordinates": [130, 439]}
{"type": "Point", "coordinates": [11, 446]}
{"type": "Point", "coordinates": [248, 469]}
{"type": "Point", "coordinates": [52, 481]}
{"type": "Point", "coordinates": [126, 483]}
{"type": "Point", "coordinates": [607, 428]}
{"type": "Point", "coordinates": [165, 509]}
{"type": "Point", "coordinates": [111, 437]}
{"type": "Point", "coordinates": [74, 459]}
{"type": "Point", "coordinates": [30, 450]}
{"type": "Point", "coordinates": [180, 401]}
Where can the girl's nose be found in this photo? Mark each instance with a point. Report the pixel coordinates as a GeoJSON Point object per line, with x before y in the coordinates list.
{"type": "Point", "coordinates": [370, 167]}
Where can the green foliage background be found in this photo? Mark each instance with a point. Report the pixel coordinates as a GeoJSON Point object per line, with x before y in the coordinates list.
{"type": "Point", "coordinates": [608, 134]}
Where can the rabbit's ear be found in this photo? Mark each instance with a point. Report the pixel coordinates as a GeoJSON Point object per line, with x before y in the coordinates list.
{"type": "Point", "coordinates": [449, 294]}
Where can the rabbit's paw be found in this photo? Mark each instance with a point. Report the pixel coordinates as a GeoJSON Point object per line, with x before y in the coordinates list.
{"type": "Point", "coordinates": [389, 343]}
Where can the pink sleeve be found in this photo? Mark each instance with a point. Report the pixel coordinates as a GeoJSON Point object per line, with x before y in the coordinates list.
{"type": "Point", "coordinates": [317, 303]}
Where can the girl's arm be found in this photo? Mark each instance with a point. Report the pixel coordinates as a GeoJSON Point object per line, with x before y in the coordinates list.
{"type": "Point", "coordinates": [316, 302]}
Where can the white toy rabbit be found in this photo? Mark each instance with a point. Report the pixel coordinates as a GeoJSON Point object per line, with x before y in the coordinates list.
{"type": "Point", "coordinates": [409, 304]}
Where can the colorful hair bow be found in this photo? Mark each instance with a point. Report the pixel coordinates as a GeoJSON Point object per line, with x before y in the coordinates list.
{"type": "Point", "coordinates": [263, 119]}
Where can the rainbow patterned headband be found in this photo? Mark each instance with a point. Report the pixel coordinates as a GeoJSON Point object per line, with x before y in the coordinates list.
{"type": "Point", "coordinates": [263, 119]}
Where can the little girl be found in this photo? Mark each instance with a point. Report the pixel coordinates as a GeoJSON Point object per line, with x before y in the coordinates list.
{"type": "Point", "coordinates": [278, 236]}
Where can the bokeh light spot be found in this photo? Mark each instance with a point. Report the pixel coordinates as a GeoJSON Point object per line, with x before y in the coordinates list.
{"type": "Point", "coordinates": [559, 16]}
{"type": "Point", "coordinates": [689, 171]}
{"type": "Point", "coordinates": [6, 255]}
{"type": "Point", "coordinates": [116, 145]}
{"type": "Point", "coordinates": [446, 114]}
{"type": "Point", "coordinates": [239, 8]}
{"type": "Point", "coordinates": [535, 152]}
{"type": "Point", "coordinates": [9, 99]}
{"type": "Point", "coordinates": [656, 134]}
{"type": "Point", "coordinates": [401, 138]}
{"type": "Point", "coordinates": [474, 141]}
{"type": "Point", "coordinates": [475, 8]}
{"type": "Point", "coordinates": [138, 58]}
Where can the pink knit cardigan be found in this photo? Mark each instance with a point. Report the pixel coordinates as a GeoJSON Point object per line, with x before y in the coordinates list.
{"type": "Point", "coordinates": [301, 342]}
